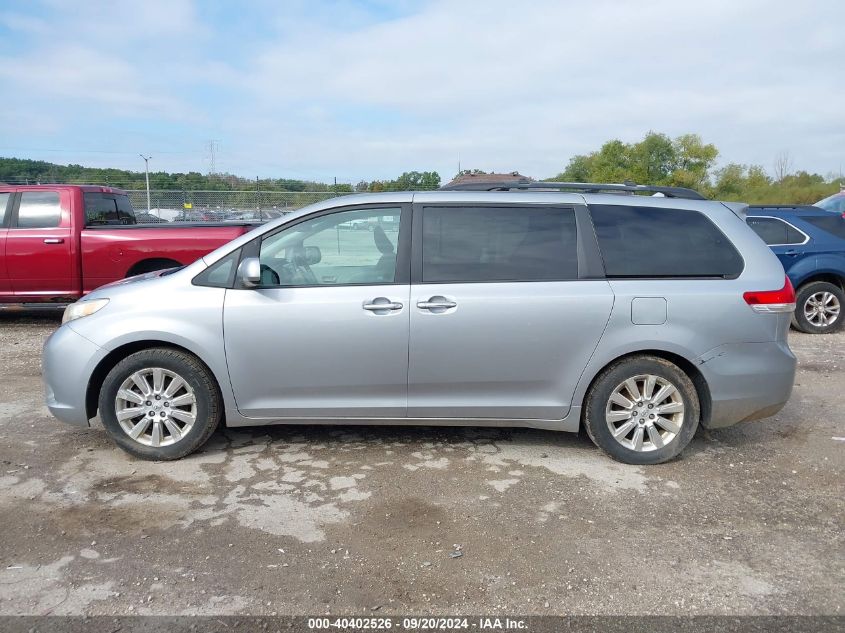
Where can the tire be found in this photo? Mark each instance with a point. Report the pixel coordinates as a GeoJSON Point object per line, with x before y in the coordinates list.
{"type": "Point", "coordinates": [667, 445]}
{"type": "Point", "coordinates": [199, 408]}
{"type": "Point", "coordinates": [819, 293]}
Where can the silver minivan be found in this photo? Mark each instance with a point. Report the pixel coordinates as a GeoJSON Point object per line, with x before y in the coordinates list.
{"type": "Point", "coordinates": [546, 305]}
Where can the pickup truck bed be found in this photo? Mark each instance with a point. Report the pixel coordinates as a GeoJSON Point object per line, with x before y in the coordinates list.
{"type": "Point", "coordinates": [59, 242]}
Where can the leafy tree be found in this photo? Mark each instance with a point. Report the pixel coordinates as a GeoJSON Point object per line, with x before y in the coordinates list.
{"type": "Point", "coordinates": [408, 181]}
{"type": "Point", "coordinates": [730, 181]}
{"type": "Point", "coordinates": [656, 160]}
{"type": "Point", "coordinates": [471, 172]}
{"type": "Point", "coordinates": [687, 161]}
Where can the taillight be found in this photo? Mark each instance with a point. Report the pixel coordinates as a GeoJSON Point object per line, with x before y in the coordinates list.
{"type": "Point", "coordinates": [772, 301]}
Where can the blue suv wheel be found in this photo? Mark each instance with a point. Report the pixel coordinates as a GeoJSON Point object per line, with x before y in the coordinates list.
{"type": "Point", "coordinates": [818, 308]}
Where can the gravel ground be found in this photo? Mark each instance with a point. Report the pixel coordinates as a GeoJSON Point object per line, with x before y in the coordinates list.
{"type": "Point", "coordinates": [374, 520]}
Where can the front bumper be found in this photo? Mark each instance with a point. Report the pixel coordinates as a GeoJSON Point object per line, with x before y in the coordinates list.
{"type": "Point", "coordinates": [747, 381]}
{"type": "Point", "coordinates": [68, 360]}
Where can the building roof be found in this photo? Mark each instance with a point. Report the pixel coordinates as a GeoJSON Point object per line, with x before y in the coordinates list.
{"type": "Point", "coordinates": [513, 176]}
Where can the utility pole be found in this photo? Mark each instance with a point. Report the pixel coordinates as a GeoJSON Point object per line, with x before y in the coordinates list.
{"type": "Point", "coordinates": [147, 170]}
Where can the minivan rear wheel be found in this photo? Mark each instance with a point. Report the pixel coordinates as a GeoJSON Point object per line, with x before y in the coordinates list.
{"type": "Point", "coordinates": [819, 308]}
{"type": "Point", "coordinates": [642, 410]}
{"type": "Point", "coordinates": [160, 404]}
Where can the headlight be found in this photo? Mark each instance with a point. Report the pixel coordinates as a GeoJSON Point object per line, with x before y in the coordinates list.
{"type": "Point", "coordinates": [83, 309]}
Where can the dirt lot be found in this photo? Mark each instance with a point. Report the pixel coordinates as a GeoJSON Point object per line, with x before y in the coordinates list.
{"type": "Point", "coordinates": [309, 520]}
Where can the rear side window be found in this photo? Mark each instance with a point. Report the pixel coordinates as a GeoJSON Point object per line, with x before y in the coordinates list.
{"type": "Point", "coordinates": [477, 244]}
{"type": "Point", "coordinates": [835, 224]}
{"type": "Point", "coordinates": [39, 210]}
{"type": "Point", "coordinates": [657, 242]}
{"type": "Point", "coordinates": [124, 209]}
{"type": "Point", "coordinates": [107, 208]}
{"type": "Point", "coordinates": [776, 232]}
{"type": "Point", "coordinates": [4, 202]}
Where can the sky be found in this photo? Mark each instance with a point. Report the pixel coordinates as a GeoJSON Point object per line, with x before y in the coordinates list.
{"type": "Point", "coordinates": [323, 89]}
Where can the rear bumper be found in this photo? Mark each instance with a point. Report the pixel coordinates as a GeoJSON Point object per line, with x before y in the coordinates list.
{"type": "Point", "coordinates": [747, 381]}
{"type": "Point", "coordinates": [67, 364]}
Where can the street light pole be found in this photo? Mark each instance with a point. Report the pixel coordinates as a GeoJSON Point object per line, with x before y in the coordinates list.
{"type": "Point", "coordinates": [147, 169]}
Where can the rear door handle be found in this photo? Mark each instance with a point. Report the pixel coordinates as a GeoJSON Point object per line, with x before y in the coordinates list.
{"type": "Point", "coordinates": [436, 303]}
{"type": "Point", "coordinates": [791, 252]}
{"type": "Point", "coordinates": [380, 304]}
{"type": "Point", "coordinates": [54, 240]}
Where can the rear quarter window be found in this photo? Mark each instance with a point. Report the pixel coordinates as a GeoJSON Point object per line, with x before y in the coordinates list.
{"type": "Point", "coordinates": [835, 225]}
{"type": "Point", "coordinates": [775, 232]}
{"type": "Point", "coordinates": [659, 242]}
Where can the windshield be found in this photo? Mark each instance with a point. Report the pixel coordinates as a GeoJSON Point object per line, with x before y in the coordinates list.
{"type": "Point", "coordinates": [835, 203]}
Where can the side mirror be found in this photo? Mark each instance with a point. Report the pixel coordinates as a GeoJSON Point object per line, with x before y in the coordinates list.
{"type": "Point", "coordinates": [249, 272]}
{"type": "Point", "coordinates": [313, 255]}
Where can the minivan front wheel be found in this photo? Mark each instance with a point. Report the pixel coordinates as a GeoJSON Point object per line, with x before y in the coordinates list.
{"type": "Point", "coordinates": [160, 404]}
{"type": "Point", "coordinates": [642, 410]}
{"type": "Point", "coordinates": [819, 308]}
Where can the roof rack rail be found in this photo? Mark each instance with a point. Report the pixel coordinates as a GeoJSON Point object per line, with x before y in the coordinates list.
{"type": "Point", "coordinates": [584, 187]}
{"type": "Point", "coordinates": [796, 207]}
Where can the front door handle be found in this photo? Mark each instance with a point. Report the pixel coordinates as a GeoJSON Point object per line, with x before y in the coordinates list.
{"type": "Point", "coordinates": [382, 304]}
{"type": "Point", "coordinates": [436, 303]}
{"type": "Point", "coordinates": [54, 240]}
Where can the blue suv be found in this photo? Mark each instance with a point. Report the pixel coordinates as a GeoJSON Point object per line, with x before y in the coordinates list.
{"type": "Point", "coordinates": [810, 243]}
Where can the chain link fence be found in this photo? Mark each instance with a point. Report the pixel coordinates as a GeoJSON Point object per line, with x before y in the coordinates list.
{"type": "Point", "coordinates": [214, 206]}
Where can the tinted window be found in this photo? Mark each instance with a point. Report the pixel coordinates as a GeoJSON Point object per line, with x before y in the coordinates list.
{"type": "Point", "coordinates": [39, 210]}
{"type": "Point", "coordinates": [107, 208]}
{"type": "Point", "coordinates": [124, 209]}
{"type": "Point", "coordinates": [347, 247]}
{"type": "Point", "coordinates": [466, 244]}
{"type": "Point", "coordinates": [4, 202]}
{"type": "Point", "coordinates": [775, 232]}
{"type": "Point", "coordinates": [835, 224]}
{"type": "Point", "coordinates": [654, 242]}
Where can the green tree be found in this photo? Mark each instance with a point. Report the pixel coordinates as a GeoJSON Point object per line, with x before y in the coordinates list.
{"type": "Point", "coordinates": [470, 172]}
{"type": "Point", "coordinates": [655, 160]}
{"type": "Point", "coordinates": [579, 169]}
{"type": "Point", "coordinates": [408, 181]}
{"type": "Point", "coordinates": [694, 159]}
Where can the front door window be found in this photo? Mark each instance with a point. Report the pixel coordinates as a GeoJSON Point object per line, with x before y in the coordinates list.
{"type": "Point", "coordinates": [349, 247]}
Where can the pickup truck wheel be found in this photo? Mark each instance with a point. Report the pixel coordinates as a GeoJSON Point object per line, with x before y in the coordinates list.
{"type": "Point", "coordinates": [160, 404]}
{"type": "Point", "coordinates": [642, 410]}
{"type": "Point", "coordinates": [818, 308]}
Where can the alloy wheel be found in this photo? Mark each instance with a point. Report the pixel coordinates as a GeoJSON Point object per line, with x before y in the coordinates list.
{"type": "Point", "coordinates": [156, 407]}
{"type": "Point", "coordinates": [822, 309]}
{"type": "Point", "coordinates": [645, 413]}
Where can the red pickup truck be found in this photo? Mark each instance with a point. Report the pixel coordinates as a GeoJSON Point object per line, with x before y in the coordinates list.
{"type": "Point", "coordinates": [58, 242]}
